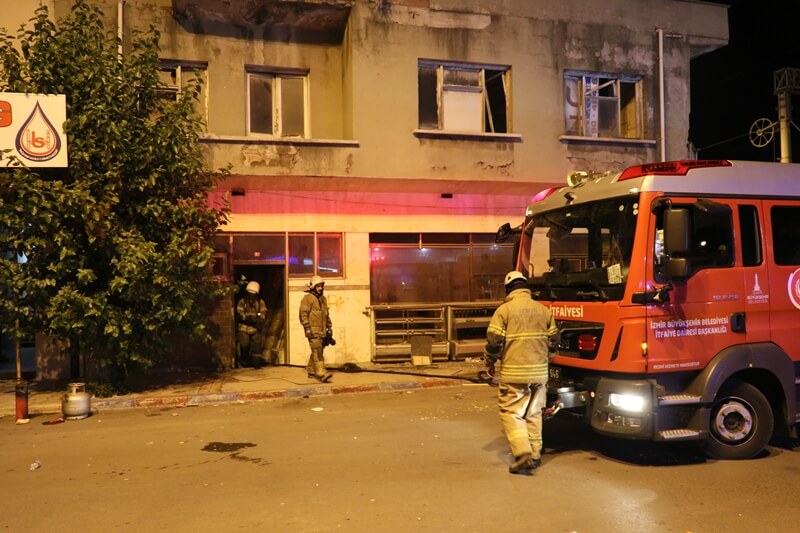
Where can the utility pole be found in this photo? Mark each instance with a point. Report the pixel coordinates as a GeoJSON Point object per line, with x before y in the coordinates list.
{"type": "Point", "coordinates": [787, 82]}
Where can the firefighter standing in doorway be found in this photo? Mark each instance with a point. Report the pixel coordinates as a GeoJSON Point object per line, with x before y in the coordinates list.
{"type": "Point", "coordinates": [522, 335]}
{"type": "Point", "coordinates": [318, 328]}
{"type": "Point", "coordinates": [251, 315]}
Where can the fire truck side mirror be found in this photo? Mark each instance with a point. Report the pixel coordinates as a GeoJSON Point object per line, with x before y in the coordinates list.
{"type": "Point", "coordinates": [677, 227]}
{"type": "Point", "coordinates": [677, 232]}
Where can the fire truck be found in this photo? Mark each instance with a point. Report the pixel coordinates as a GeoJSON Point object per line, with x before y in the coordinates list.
{"type": "Point", "coordinates": [676, 289]}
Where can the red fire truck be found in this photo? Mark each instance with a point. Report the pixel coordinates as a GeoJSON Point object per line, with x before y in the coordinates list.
{"type": "Point", "coordinates": [676, 288]}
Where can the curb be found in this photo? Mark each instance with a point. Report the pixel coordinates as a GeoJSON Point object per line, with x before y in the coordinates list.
{"type": "Point", "coordinates": [191, 400]}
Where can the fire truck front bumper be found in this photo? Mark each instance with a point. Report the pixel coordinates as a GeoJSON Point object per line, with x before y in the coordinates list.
{"type": "Point", "coordinates": [623, 408]}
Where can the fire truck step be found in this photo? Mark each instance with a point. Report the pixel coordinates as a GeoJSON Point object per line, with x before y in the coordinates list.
{"type": "Point", "coordinates": [678, 399]}
{"type": "Point", "coordinates": [678, 434]}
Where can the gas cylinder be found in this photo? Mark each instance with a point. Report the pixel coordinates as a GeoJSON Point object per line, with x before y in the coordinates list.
{"type": "Point", "coordinates": [76, 403]}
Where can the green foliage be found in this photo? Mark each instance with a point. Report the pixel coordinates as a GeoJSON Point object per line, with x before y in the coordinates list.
{"type": "Point", "coordinates": [119, 244]}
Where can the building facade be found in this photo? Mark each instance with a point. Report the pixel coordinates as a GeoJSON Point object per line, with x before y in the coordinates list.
{"type": "Point", "coordinates": [381, 143]}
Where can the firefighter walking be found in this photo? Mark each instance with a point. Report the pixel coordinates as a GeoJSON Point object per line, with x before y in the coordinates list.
{"type": "Point", "coordinates": [521, 335]}
{"type": "Point", "coordinates": [251, 316]}
{"type": "Point", "coordinates": [316, 323]}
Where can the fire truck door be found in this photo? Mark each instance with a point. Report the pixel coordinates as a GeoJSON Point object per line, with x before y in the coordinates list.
{"type": "Point", "coordinates": [700, 318]}
{"type": "Point", "coordinates": [783, 288]}
{"type": "Point", "coordinates": [755, 272]}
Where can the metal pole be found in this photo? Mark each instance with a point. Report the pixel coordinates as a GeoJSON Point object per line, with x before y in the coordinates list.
{"type": "Point", "coordinates": [784, 112]}
{"type": "Point", "coordinates": [19, 356]}
{"type": "Point", "coordinates": [662, 133]}
{"type": "Point", "coordinates": [21, 390]}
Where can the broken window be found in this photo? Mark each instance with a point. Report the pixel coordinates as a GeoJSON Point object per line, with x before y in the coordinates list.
{"type": "Point", "coordinates": [185, 78]}
{"type": "Point", "coordinates": [463, 97]}
{"type": "Point", "coordinates": [603, 105]}
{"type": "Point", "coordinates": [277, 102]}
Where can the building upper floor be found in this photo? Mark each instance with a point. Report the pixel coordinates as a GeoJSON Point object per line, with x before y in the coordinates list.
{"type": "Point", "coordinates": [434, 89]}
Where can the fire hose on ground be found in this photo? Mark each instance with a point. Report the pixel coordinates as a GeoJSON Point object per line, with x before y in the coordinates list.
{"type": "Point", "coordinates": [483, 377]}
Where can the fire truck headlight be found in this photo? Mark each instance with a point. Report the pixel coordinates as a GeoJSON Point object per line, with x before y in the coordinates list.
{"type": "Point", "coordinates": [626, 402]}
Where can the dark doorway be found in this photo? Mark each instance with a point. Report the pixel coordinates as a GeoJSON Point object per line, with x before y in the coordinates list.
{"type": "Point", "coordinates": [271, 278]}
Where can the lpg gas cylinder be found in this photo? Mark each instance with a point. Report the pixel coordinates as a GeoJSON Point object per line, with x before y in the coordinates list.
{"type": "Point", "coordinates": [77, 402]}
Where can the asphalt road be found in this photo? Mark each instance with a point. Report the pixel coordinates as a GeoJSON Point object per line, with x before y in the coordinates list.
{"type": "Point", "coordinates": [430, 460]}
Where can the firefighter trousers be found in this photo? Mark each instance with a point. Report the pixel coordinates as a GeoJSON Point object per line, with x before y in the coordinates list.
{"type": "Point", "coordinates": [316, 362]}
{"type": "Point", "coordinates": [521, 413]}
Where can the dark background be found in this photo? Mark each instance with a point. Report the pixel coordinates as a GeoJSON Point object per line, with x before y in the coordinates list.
{"type": "Point", "coordinates": [733, 87]}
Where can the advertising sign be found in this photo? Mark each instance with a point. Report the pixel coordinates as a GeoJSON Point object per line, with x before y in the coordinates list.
{"type": "Point", "coordinates": [32, 127]}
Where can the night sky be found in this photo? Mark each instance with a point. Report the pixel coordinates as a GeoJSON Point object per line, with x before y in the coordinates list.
{"type": "Point", "coordinates": [733, 86]}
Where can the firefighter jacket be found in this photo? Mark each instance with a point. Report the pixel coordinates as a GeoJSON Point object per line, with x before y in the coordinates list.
{"type": "Point", "coordinates": [251, 315]}
{"type": "Point", "coordinates": [314, 314]}
{"type": "Point", "coordinates": [520, 333]}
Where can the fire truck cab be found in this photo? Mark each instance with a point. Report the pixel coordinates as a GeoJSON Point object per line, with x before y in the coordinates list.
{"type": "Point", "coordinates": [676, 289]}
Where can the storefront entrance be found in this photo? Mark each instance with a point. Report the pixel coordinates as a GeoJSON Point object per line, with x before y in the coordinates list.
{"type": "Point", "coordinates": [272, 280]}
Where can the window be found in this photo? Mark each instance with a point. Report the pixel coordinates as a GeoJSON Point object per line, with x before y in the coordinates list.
{"type": "Point", "coordinates": [464, 97]}
{"type": "Point", "coordinates": [179, 78]}
{"type": "Point", "coordinates": [580, 251]}
{"type": "Point", "coordinates": [710, 239]}
{"type": "Point", "coordinates": [259, 248]}
{"type": "Point", "coordinates": [434, 268]}
{"type": "Point", "coordinates": [276, 102]}
{"type": "Point", "coordinates": [786, 235]}
{"type": "Point", "coordinates": [603, 105]}
{"type": "Point", "coordinates": [306, 254]}
{"type": "Point", "coordinates": [315, 253]}
{"type": "Point", "coordinates": [751, 235]}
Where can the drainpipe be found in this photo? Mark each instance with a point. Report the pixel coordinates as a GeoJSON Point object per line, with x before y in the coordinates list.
{"type": "Point", "coordinates": [662, 141]}
{"type": "Point", "coordinates": [120, 26]}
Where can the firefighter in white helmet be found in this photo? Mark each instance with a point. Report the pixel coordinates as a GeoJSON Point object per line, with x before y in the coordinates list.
{"type": "Point", "coordinates": [522, 335]}
{"type": "Point", "coordinates": [317, 325]}
{"type": "Point", "coordinates": [251, 315]}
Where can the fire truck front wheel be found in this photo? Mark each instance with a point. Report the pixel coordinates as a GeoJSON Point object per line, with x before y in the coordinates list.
{"type": "Point", "coordinates": [741, 422]}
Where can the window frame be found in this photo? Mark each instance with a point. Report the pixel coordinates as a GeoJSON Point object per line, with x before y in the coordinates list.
{"type": "Point", "coordinates": [226, 249]}
{"type": "Point", "coordinates": [623, 88]}
{"type": "Point", "coordinates": [315, 270]}
{"type": "Point", "coordinates": [276, 75]}
{"type": "Point", "coordinates": [461, 246]}
{"type": "Point", "coordinates": [179, 69]}
{"type": "Point", "coordinates": [444, 87]}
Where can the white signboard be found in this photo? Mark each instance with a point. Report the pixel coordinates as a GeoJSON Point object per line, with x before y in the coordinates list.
{"type": "Point", "coordinates": [32, 127]}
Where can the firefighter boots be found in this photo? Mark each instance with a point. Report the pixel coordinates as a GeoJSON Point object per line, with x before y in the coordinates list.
{"type": "Point", "coordinates": [524, 464]}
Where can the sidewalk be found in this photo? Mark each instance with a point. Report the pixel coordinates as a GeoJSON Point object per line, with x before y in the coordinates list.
{"type": "Point", "coordinates": [177, 389]}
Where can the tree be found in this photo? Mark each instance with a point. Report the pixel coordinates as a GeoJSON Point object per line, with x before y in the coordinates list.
{"type": "Point", "coordinates": [118, 245]}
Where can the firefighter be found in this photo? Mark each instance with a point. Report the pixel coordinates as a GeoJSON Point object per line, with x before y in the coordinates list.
{"type": "Point", "coordinates": [251, 315]}
{"type": "Point", "coordinates": [318, 329]}
{"type": "Point", "coordinates": [522, 335]}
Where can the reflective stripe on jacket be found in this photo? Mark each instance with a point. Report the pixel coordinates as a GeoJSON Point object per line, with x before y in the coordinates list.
{"type": "Point", "coordinates": [522, 327]}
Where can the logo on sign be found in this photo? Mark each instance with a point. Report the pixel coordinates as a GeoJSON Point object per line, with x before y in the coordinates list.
{"type": "Point", "coordinates": [6, 114]}
{"type": "Point", "coordinates": [793, 286]}
{"type": "Point", "coordinates": [37, 139]}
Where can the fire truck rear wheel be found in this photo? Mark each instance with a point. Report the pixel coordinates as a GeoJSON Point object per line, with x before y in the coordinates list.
{"type": "Point", "coordinates": [741, 422]}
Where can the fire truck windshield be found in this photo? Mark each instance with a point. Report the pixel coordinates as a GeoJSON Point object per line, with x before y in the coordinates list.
{"type": "Point", "coordinates": [580, 252]}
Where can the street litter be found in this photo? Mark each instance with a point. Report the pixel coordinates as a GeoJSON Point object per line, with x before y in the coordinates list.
{"type": "Point", "coordinates": [317, 409]}
{"type": "Point", "coordinates": [57, 420]}
{"type": "Point", "coordinates": [36, 465]}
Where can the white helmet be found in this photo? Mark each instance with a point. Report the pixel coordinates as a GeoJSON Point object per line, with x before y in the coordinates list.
{"type": "Point", "coordinates": [314, 281]}
{"type": "Point", "coordinates": [253, 287]}
{"type": "Point", "coordinates": [514, 275]}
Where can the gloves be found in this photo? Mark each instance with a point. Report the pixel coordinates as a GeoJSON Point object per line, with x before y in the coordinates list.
{"type": "Point", "coordinates": [309, 334]}
{"type": "Point", "coordinates": [329, 340]}
{"type": "Point", "coordinates": [491, 353]}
